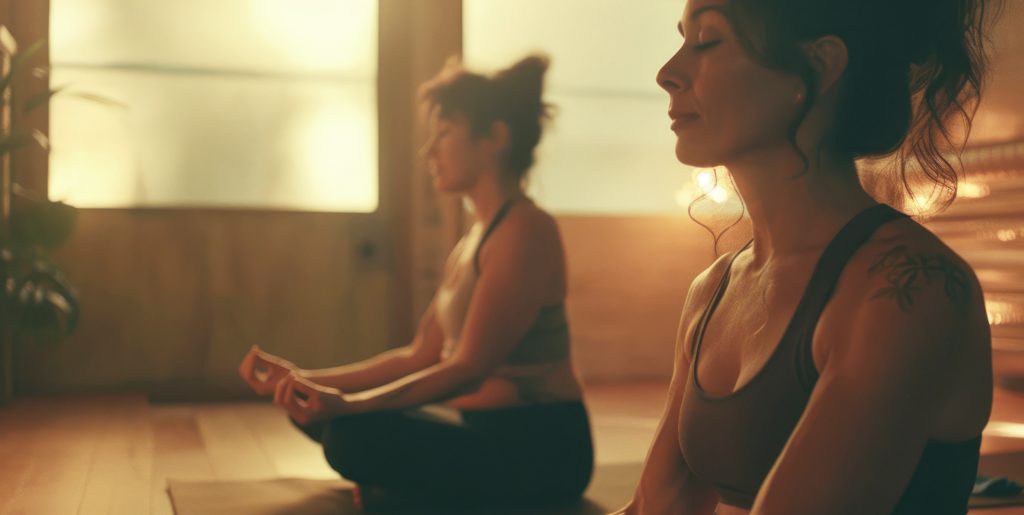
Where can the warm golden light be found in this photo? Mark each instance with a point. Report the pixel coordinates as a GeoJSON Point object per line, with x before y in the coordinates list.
{"type": "Point", "coordinates": [318, 33]}
{"type": "Point", "coordinates": [718, 195]}
{"type": "Point", "coordinates": [265, 104]}
{"type": "Point", "coordinates": [1005, 429]}
{"type": "Point", "coordinates": [972, 190]}
{"type": "Point", "coordinates": [1008, 235]}
{"type": "Point", "coordinates": [609, 148]}
{"type": "Point", "coordinates": [705, 183]}
{"type": "Point", "coordinates": [706, 180]}
{"type": "Point", "coordinates": [1003, 313]}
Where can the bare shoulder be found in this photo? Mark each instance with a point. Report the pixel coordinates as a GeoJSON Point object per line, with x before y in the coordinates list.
{"type": "Point", "coordinates": [527, 228]}
{"type": "Point", "coordinates": [908, 269]}
{"type": "Point", "coordinates": [911, 312]}
{"type": "Point", "coordinates": [702, 289]}
{"type": "Point", "coordinates": [527, 246]}
{"type": "Point", "coordinates": [907, 297]}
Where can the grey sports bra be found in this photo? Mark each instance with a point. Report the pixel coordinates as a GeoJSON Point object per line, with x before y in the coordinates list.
{"type": "Point", "coordinates": [547, 340]}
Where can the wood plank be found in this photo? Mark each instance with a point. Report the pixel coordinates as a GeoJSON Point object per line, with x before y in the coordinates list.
{"type": "Point", "coordinates": [231, 445]}
{"type": "Point", "coordinates": [17, 439]}
{"type": "Point", "coordinates": [119, 477]}
{"type": "Point", "coordinates": [290, 451]}
{"type": "Point", "coordinates": [56, 440]}
{"type": "Point", "coordinates": [178, 453]}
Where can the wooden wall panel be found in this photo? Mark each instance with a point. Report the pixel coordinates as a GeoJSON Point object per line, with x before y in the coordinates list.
{"type": "Point", "coordinates": [628, 279]}
{"type": "Point", "coordinates": [172, 299]}
{"type": "Point", "coordinates": [1000, 116]}
{"type": "Point", "coordinates": [987, 230]}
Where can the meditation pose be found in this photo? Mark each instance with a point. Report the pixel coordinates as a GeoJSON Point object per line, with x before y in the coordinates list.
{"type": "Point", "coordinates": [839, 362]}
{"type": "Point", "coordinates": [483, 407]}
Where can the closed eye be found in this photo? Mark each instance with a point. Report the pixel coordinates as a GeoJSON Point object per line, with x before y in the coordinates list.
{"type": "Point", "coordinates": [706, 46]}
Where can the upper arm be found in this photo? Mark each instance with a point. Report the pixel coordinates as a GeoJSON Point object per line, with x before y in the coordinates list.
{"type": "Point", "coordinates": [881, 390]}
{"type": "Point", "coordinates": [667, 481]}
{"type": "Point", "coordinates": [522, 262]}
{"type": "Point", "coordinates": [428, 343]}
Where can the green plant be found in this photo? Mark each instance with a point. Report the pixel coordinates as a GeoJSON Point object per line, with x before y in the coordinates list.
{"type": "Point", "coordinates": [37, 303]}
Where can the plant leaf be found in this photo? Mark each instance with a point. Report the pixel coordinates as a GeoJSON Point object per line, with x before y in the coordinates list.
{"type": "Point", "coordinates": [99, 99]}
{"type": "Point", "coordinates": [17, 61]}
{"type": "Point", "coordinates": [40, 99]}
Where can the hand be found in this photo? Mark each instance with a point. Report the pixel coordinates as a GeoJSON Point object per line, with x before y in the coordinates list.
{"type": "Point", "coordinates": [625, 510]}
{"type": "Point", "coordinates": [306, 401]}
{"type": "Point", "coordinates": [262, 371]}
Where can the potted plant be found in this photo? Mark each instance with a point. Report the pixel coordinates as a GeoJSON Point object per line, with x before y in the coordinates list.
{"type": "Point", "coordinates": [37, 303]}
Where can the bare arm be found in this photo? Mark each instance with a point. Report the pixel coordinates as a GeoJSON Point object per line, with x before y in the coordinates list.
{"type": "Point", "coordinates": [389, 366]}
{"type": "Point", "coordinates": [667, 486]}
{"type": "Point", "coordinates": [882, 392]}
{"type": "Point", "coordinates": [515, 280]}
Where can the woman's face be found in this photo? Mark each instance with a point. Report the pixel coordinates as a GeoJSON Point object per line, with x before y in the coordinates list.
{"type": "Point", "coordinates": [453, 155]}
{"type": "Point", "coordinates": [722, 104]}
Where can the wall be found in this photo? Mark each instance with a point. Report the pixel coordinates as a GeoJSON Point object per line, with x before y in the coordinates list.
{"type": "Point", "coordinates": [173, 298]}
{"type": "Point", "coordinates": [628, 279]}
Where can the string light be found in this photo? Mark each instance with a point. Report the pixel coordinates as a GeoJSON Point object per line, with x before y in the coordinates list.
{"type": "Point", "coordinates": [705, 182]}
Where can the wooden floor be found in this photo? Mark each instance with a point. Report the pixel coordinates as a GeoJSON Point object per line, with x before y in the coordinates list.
{"type": "Point", "coordinates": [113, 454]}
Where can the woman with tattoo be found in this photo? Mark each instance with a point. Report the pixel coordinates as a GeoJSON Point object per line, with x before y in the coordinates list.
{"type": "Point", "coordinates": [483, 406]}
{"type": "Point", "coordinates": [840, 362]}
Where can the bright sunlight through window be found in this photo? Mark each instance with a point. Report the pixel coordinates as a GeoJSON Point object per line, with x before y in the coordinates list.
{"type": "Point", "coordinates": [264, 104]}
{"type": "Point", "coordinates": [609, 150]}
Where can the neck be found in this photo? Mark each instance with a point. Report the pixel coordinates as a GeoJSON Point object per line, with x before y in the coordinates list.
{"type": "Point", "coordinates": [489, 193]}
{"type": "Point", "coordinates": [793, 211]}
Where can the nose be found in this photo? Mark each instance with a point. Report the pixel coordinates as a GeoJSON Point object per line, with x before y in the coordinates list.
{"type": "Point", "coordinates": [427, 150]}
{"type": "Point", "coordinates": [673, 76]}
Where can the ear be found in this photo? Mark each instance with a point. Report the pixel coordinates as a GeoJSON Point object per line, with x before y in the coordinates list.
{"type": "Point", "coordinates": [499, 137]}
{"type": "Point", "coordinates": [829, 57]}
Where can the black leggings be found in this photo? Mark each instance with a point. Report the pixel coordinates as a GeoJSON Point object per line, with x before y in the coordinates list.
{"type": "Point", "coordinates": [529, 454]}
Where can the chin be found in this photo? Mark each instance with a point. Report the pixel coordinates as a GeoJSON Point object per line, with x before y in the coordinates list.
{"type": "Point", "coordinates": [446, 187]}
{"type": "Point", "coordinates": [439, 184]}
{"type": "Point", "coordinates": [696, 156]}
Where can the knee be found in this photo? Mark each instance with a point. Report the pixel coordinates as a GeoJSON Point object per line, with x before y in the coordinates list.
{"type": "Point", "coordinates": [313, 430]}
{"type": "Point", "coordinates": [349, 445]}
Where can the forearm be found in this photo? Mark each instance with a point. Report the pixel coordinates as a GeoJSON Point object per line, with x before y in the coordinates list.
{"type": "Point", "coordinates": [379, 370]}
{"type": "Point", "coordinates": [678, 493]}
{"type": "Point", "coordinates": [667, 486]}
{"type": "Point", "coordinates": [436, 383]}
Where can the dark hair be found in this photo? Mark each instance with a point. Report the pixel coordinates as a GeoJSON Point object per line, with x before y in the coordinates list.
{"type": "Point", "coordinates": [513, 96]}
{"type": "Point", "coordinates": [914, 67]}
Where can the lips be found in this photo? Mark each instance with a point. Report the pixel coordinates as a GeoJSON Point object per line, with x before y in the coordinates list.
{"type": "Point", "coordinates": [680, 118]}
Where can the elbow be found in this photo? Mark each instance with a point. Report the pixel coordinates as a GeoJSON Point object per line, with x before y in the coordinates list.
{"type": "Point", "coordinates": [468, 374]}
{"type": "Point", "coordinates": [420, 359]}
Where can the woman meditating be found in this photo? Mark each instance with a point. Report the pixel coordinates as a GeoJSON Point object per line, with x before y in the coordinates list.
{"type": "Point", "coordinates": [483, 407]}
{"type": "Point", "coordinates": [840, 362]}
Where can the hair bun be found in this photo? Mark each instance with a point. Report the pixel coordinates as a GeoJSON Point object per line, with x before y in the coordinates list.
{"type": "Point", "coordinates": [523, 83]}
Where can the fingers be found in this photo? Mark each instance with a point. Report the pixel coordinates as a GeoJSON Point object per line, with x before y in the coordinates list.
{"type": "Point", "coordinates": [279, 392]}
{"type": "Point", "coordinates": [298, 397]}
{"type": "Point", "coordinates": [305, 393]}
{"type": "Point", "coordinates": [262, 370]}
{"type": "Point", "coordinates": [294, 408]}
{"type": "Point", "coordinates": [249, 373]}
{"type": "Point", "coordinates": [245, 368]}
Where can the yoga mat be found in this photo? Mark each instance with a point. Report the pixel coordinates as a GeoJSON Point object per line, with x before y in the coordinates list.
{"type": "Point", "coordinates": [1009, 465]}
{"type": "Point", "coordinates": [610, 488]}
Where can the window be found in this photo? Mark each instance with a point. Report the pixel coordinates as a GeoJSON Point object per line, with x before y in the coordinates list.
{"type": "Point", "coordinates": [609, 149]}
{"type": "Point", "coordinates": [267, 104]}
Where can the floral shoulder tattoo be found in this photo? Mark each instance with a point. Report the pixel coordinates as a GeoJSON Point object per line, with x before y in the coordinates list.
{"type": "Point", "coordinates": [908, 272]}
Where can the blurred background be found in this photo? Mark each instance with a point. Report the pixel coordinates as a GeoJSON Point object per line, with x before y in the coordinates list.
{"type": "Point", "coordinates": [246, 172]}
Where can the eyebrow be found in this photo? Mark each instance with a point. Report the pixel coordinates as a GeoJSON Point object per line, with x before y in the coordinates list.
{"type": "Point", "coordinates": [696, 14]}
